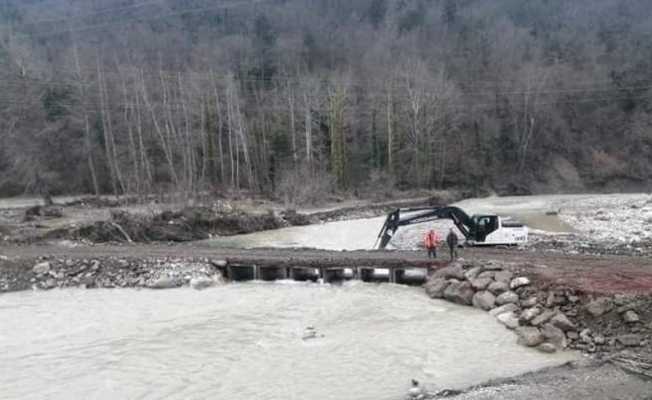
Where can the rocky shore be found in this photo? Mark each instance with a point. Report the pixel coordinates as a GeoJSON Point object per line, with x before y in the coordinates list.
{"type": "Point", "coordinates": [112, 272]}
{"type": "Point", "coordinates": [547, 317]}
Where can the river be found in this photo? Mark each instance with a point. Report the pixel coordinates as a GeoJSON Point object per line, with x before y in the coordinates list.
{"type": "Point", "coordinates": [245, 341]}
{"type": "Point", "coordinates": [361, 234]}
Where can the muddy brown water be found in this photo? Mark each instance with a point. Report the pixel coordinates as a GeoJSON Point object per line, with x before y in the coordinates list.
{"type": "Point", "coordinates": [245, 341]}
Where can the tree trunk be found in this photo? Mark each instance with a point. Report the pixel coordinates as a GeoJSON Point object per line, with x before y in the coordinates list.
{"type": "Point", "coordinates": [87, 128]}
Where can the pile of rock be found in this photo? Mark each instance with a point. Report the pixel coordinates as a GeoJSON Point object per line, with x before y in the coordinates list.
{"type": "Point", "coordinates": [118, 272]}
{"type": "Point", "coordinates": [509, 298]}
{"type": "Point", "coordinates": [549, 319]}
{"type": "Point", "coordinates": [614, 323]}
{"type": "Point", "coordinates": [572, 243]}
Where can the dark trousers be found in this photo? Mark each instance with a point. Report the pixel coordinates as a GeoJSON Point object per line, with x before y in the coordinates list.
{"type": "Point", "coordinates": [432, 252]}
{"type": "Point", "coordinates": [453, 250]}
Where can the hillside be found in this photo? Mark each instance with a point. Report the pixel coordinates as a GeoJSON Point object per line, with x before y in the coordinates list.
{"type": "Point", "coordinates": [301, 98]}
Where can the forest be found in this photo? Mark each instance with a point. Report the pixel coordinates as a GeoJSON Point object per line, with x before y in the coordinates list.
{"type": "Point", "coordinates": [299, 99]}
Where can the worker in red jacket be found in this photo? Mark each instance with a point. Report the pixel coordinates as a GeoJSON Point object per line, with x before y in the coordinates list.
{"type": "Point", "coordinates": [431, 241]}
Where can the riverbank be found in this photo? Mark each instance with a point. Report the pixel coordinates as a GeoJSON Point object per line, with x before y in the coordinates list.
{"type": "Point", "coordinates": [548, 315]}
{"type": "Point", "coordinates": [108, 220]}
{"type": "Point", "coordinates": [583, 379]}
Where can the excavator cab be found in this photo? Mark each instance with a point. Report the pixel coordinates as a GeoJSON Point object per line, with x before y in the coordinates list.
{"type": "Point", "coordinates": [483, 225]}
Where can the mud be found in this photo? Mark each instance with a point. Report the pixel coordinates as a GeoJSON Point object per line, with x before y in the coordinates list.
{"type": "Point", "coordinates": [188, 224]}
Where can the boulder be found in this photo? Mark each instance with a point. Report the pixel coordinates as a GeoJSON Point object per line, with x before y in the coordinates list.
{"type": "Point", "coordinates": [572, 335]}
{"type": "Point", "coordinates": [631, 317]}
{"type": "Point", "coordinates": [487, 274]}
{"type": "Point", "coordinates": [543, 317]}
{"type": "Point", "coordinates": [629, 306]}
{"type": "Point", "coordinates": [480, 283]}
{"type": "Point", "coordinates": [506, 298]}
{"type": "Point", "coordinates": [622, 299]}
{"type": "Point", "coordinates": [529, 302]}
{"type": "Point", "coordinates": [509, 319]}
{"type": "Point", "coordinates": [599, 307]}
{"type": "Point", "coordinates": [41, 268]}
{"type": "Point", "coordinates": [630, 340]}
{"type": "Point", "coordinates": [562, 322]}
{"type": "Point", "coordinates": [473, 273]}
{"type": "Point", "coordinates": [484, 300]}
{"type": "Point", "coordinates": [554, 335]}
{"type": "Point", "coordinates": [49, 284]}
{"type": "Point", "coordinates": [585, 336]}
{"type": "Point", "coordinates": [492, 266]}
{"type": "Point", "coordinates": [87, 281]}
{"type": "Point", "coordinates": [201, 282]}
{"type": "Point", "coordinates": [503, 276]}
{"type": "Point", "coordinates": [599, 339]}
{"type": "Point", "coordinates": [530, 313]}
{"type": "Point", "coordinates": [550, 300]}
{"type": "Point", "coordinates": [454, 271]}
{"type": "Point", "coordinates": [529, 336]}
{"type": "Point", "coordinates": [498, 287]}
{"type": "Point", "coordinates": [459, 292]}
{"type": "Point", "coordinates": [165, 282]}
{"type": "Point", "coordinates": [416, 393]}
{"type": "Point", "coordinates": [519, 282]}
{"type": "Point", "coordinates": [435, 288]}
{"type": "Point", "coordinates": [511, 307]}
{"type": "Point", "coordinates": [219, 263]}
{"type": "Point", "coordinates": [547, 348]}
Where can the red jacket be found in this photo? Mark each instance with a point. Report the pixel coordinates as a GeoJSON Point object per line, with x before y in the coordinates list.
{"type": "Point", "coordinates": [431, 240]}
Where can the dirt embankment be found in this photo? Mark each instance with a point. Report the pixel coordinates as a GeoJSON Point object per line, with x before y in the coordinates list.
{"type": "Point", "coordinates": [99, 220]}
{"type": "Point", "coordinates": [193, 223]}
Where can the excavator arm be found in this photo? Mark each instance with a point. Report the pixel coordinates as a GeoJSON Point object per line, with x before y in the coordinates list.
{"type": "Point", "coordinates": [419, 215]}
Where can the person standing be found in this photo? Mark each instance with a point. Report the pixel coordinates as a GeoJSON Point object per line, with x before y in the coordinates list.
{"type": "Point", "coordinates": [431, 241]}
{"type": "Point", "coordinates": [452, 242]}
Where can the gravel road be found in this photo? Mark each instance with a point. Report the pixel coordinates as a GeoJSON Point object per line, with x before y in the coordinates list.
{"type": "Point", "coordinates": [591, 274]}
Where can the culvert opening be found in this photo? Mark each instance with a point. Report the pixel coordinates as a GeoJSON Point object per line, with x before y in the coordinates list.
{"type": "Point", "coordinates": [375, 275]}
{"type": "Point", "coordinates": [305, 274]}
{"type": "Point", "coordinates": [242, 273]}
{"type": "Point", "coordinates": [337, 275]}
{"type": "Point", "coordinates": [273, 274]}
{"type": "Point", "coordinates": [411, 277]}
